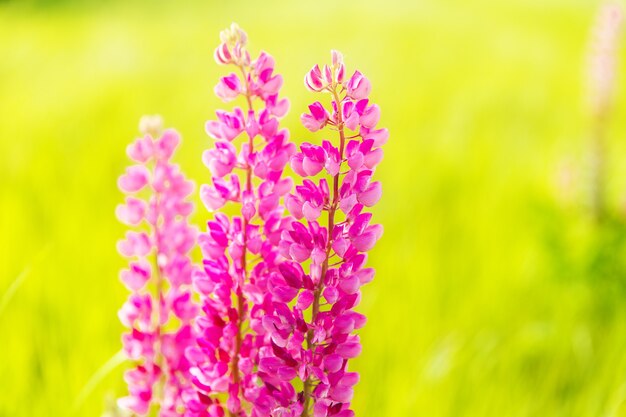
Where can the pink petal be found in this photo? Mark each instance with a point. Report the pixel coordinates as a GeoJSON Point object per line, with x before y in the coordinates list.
{"type": "Point", "coordinates": [350, 285]}
{"type": "Point", "coordinates": [135, 178]}
{"type": "Point", "coordinates": [312, 167]}
{"type": "Point", "coordinates": [367, 240]}
{"type": "Point", "coordinates": [311, 212]}
{"type": "Point", "coordinates": [305, 299]}
{"type": "Point", "coordinates": [371, 195]}
{"type": "Point", "coordinates": [349, 350]}
{"type": "Point", "coordinates": [211, 198]}
{"type": "Point", "coordinates": [165, 146]}
{"type": "Point", "coordinates": [370, 117]}
{"type": "Point", "coordinates": [141, 149]}
{"type": "Point", "coordinates": [136, 276]}
{"type": "Point", "coordinates": [135, 244]}
{"type": "Point", "coordinates": [131, 213]}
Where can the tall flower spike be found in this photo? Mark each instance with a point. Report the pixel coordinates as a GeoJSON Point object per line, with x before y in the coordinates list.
{"type": "Point", "coordinates": [602, 69]}
{"type": "Point", "coordinates": [241, 258]}
{"type": "Point", "coordinates": [312, 327]}
{"type": "Point", "coordinates": [159, 311]}
{"type": "Point", "coordinates": [603, 56]}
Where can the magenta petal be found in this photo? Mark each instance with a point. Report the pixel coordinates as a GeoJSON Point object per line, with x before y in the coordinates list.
{"type": "Point", "coordinates": [310, 212]}
{"type": "Point", "coordinates": [350, 285]}
{"type": "Point", "coordinates": [379, 136]}
{"type": "Point", "coordinates": [137, 275]}
{"type": "Point", "coordinates": [373, 158]}
{"type": "Point", "coordinates": [312, 167]}
{"type": "Point", "coordinates": [365, 275]}
{"type": "Point", "coordinates": [305, 299]}
{"type": "Point", "coordinates": [341, 394]}
{"type": "Point", "coordinates": [349, 350]}
{"type": "Point", "coordinates": [297, 164]}
{"type": "Point", "coordinates": [356, 161]}
{"type": "Point", "coordinates": [330, 294]}
{"type": "Point", "coordinates": [299, 253]}
{"type": "Point", "coordinates": [333, 363]}
{"type": "Point", "coordinates": [211, 198]}
{"type": "Point", "coordinates": [366, 241]}
{"type": "Point", "coordinates": [310, 122]}
{"type": "Point", "coordinates": [371, 195]}
{"type": "Point", "coordinates": [370, 117]}
{"type": "Point", "coordinates": [284, 294]}
{"type": "Point", "coordinates": [131, 213]}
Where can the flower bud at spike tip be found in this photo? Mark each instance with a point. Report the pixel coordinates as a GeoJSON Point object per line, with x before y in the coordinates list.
{"type": "Point", "coordinates": [151, 125]}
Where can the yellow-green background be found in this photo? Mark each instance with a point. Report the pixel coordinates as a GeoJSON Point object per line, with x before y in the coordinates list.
{"type": "Point", "coordinates": [496, 295]}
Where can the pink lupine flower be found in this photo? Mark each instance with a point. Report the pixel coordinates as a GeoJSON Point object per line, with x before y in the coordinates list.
{"type": "Point", "coordinates": [227, 126]}
{"type": "Point", "coordinates": [228, 88]}
{"type": "Point", "coordinates": [313, 79]}
{"type": "Point", "coordinates": [317, 118]}
{"type": "Point", "coordinates": [221, 160]}
{"type": "Point", "coordinates": [603, 56]}
{"type": "Point", "coordinates": [358, 87]}
{"type": "Point", "coordinates": [159, 274]}
{"type": "Point", "coordinates": [601, 80]}
{"type": "Point", "coordinates": [241, 256]}
{"type": "Point", "coordinates": [312, 323]}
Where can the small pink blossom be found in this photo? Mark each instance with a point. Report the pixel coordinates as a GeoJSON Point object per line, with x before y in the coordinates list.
{"type": "Point", "coordinates": [221, 160]}
{"type": "Point", "coordinates": [135, 178]}
{"type": "Point", "coordinates": [358, 87]}
{"type": "Point", "coordinates": [313, 79]}
{"type": "Point", "coordinates": [228, 88]}
{"type": "Point", "coordinates": [227, 126]}
{"type": "Point", "coordinates": [316, 118]}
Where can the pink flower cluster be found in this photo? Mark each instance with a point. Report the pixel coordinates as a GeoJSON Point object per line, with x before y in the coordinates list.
{"type": "Point", "coordinates": [333, 241]}
{"type": "Point", "coordinates": [159, 311]}
{"type": "Point", "coordinates": [281, 277]}
{"type": "Point", "coordinates": [240, 252]}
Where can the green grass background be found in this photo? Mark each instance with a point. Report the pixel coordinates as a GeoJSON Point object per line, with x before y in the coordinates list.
{"type": "Point", "coordinates": [496, 295]}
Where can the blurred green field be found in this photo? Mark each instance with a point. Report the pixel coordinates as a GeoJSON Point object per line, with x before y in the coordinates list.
{"type": "Point", "coordinates": [496, 294]}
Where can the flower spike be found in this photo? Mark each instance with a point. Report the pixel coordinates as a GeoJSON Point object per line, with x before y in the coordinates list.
{"type": "Point", "coordinates": [246, 161]}
{"type": "Point", "coordinates": [159, 273]}
{"type": "Point", "coordinates": [313, 325]}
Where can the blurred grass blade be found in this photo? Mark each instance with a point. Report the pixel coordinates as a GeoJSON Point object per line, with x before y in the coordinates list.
{"type": "Point", "coordinates": [98, 376]}
{"type": "Point", "coordinates": [17, 282]}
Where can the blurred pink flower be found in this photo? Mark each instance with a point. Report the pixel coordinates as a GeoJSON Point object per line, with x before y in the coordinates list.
{"type": "Point", "coordinates": [603, 57]}
{"type": "Point", "coordinates": [159, 256]}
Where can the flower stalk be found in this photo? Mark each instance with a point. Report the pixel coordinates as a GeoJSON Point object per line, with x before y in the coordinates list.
{"type": "Point", "coordinates": [601, 85]}
{"type": "Point", "coordinates": [157, 206]}
{"type": "Point", "coordinates": [240, 253]}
